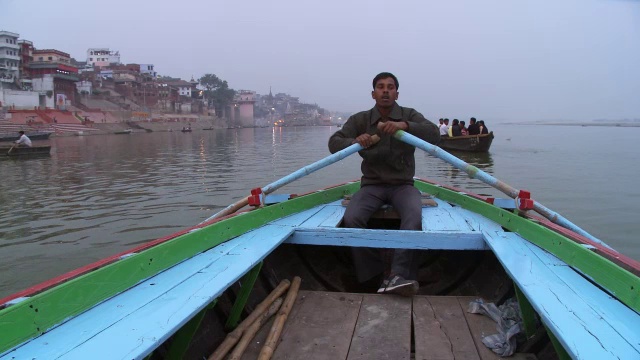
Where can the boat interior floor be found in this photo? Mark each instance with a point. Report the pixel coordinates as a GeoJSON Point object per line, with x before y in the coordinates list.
{"type": "Point", "coordinates": [331, 325]}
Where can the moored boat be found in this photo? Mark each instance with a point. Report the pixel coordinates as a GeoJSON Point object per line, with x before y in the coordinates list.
{"type": "Point", "coordinates": [123, 132]}
{"type": "Point", "coordinates": [16, 151]}
{"type": "Point", "coordinates": [473, 143]}
{"type": "Point", "coordinates": [175, 296]}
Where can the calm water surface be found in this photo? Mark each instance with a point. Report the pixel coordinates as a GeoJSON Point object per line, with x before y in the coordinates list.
{"type": "Point", "coordinates": [100, 195]}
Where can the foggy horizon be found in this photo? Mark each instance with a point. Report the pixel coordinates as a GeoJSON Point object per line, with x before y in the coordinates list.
{"type": "Point", "coordinates": [497, 60]}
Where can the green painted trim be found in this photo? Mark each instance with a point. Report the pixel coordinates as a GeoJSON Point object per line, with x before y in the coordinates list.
{"type": "Point", "coordinates": [182, 338]}
{"type": "Point", "coordinates": [247, 283]}
{"type": "Point", "coordinates": [527, 312]}
{"type": "Point", "coordinates": [560, 351]}
{"type": "Point", "coordinates": [624, 285]}
{"type": "Point", "coordinates": [32, 317]}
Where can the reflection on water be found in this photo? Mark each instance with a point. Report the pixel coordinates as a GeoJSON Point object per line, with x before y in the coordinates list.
{"type": "Point", "coordinates": [99, 195]}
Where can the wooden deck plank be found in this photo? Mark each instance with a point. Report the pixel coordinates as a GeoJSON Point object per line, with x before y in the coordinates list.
{"type": "Point", "coordinates": [298, 218]}
{"type": "Point", "coordinates": [329, 216]}
{"type": "Point", "coordinates": [431, 342]}
{"type": "Point", "coordinates": [443, 218]}
{"type": "Point", "coordinates": [404, 239]}
{"type": "Point", "coordinates": [477, 222]}
{"type": "Point", "coordinates": [321, 328]}
{"type": "Point", "coordinates": [440, 321]}
{"type": "Point", "coordinates": [383, 330]}
{"type": "Point", "coordinates": [577, 322]}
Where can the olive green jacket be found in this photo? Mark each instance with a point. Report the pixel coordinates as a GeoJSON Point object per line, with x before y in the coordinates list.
{"type": "Point", "coordinates": [390, 161]}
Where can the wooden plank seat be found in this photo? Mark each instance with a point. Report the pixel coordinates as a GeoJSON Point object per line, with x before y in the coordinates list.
{"type": "Point", "coordinates": [444, 227]}
{"type": "Point", "coordinates": [132, 324]}
{"type": "Point", "coordinates": [586, 320]}
{"type": "Point", "coordinates": [326, 325]}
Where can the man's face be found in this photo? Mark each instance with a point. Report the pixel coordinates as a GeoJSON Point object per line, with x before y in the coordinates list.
{"type": "Point", "coordinates": [385, 93]}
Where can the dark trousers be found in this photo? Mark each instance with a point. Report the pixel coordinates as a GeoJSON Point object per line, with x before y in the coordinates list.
{"type": "Point", "coordinates": [405, 199]}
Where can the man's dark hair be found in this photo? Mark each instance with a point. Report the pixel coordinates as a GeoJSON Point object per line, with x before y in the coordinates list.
{"type": "Point", "coordinates": [21, 132]}
{"type": "Point", "coordinates": [472, 119]}
{"type": "Point", "coordinates": [455, 121]}
{"type": "Point", "coordinates": [384, 75]}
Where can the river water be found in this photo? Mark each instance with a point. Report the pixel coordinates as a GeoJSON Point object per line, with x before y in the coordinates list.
{"type": "Point", "coordinates": [99, 195]}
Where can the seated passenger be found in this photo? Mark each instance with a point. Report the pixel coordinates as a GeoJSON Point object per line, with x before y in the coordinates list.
{"type": "Point", "coordinates": [444, 128]}
{"type": "Point", "coordinates": [473, 127]}
{"type": "Point", "coordinates": [455, 128]}
{"type": "Point", "coordinates": [463, 129]}
{"type": "Point", "coordinates": [482, 127]}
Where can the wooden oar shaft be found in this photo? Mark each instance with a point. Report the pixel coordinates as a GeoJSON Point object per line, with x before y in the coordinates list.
{"type": "Point", "coordinates": [268, 189]}
{"type": "Point", "coordinates": [276, 329]}
{"type": "Point", "coordinates": [476, 173]}
{"type": "Point", "coordinates": [233, 337]}
{"type": "Point", "coordinates": [229, 209]}
{"type": "Point", "coordinates": [335, 157]}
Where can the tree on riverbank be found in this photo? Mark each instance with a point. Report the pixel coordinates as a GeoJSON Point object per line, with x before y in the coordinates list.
{"type": "Point", "coordinates": [217, 92]}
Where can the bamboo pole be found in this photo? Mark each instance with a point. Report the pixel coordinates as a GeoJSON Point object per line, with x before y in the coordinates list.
{"type": "Point", "coordinates": [276, 329]}
{"type": "Point", "coordinates": [233, 337]}
{"type": "Point", "coordinates": [250, 333]}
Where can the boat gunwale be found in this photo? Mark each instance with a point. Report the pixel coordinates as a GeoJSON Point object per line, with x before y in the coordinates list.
{"type": "Point", "coordinates": [34, 316]}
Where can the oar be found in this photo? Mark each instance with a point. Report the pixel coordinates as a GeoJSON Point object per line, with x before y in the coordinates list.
{"type": "Point", "coordinates": [267, 189]}
{"type": "Point", "coordinates": [9, 152]}
{"type": "Point", "coordinates": [476, 173]}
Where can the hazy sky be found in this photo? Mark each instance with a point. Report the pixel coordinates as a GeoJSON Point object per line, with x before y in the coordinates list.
{"type": "Point", "coordinates": [493, 59]}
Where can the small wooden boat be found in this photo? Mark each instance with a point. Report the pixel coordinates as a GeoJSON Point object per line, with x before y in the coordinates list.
{"type": "Point", "coordinates": [33, 135]}
{"type": "Point", "coordinates": [124, 132]}
{"type": "Point", "coordinates": [25, 151]}
{"type": "Point", "coordinates": [177, 297]}
{"type": "Point", "coordinates": [473, 143]}
{"type": "Point", "coordinates": [186, 130]}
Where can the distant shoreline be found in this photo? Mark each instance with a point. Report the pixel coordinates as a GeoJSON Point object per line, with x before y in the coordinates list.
{"type": "Point", "coordinates": [611, 124]}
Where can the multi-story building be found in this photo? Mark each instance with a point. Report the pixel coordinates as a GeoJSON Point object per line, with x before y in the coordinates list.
{"type": "Point", "coordinates": [184, 87]}
{"type": "Point", "coordinates": [26, 57]}
{"type": "Point", "coordinates": [52, 74]}
{"type": "Point", "coordinates": [102, 57]}
{"type": "Point", "coordinates": [51, 56]}
{"type": "Point", "coordinates": [148, 69]}
{"type": "Point", "coordinates": [9, 58]}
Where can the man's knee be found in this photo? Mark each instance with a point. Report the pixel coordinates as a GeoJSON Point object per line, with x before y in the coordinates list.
{"type": "Point", "coordinates": [353, 219]}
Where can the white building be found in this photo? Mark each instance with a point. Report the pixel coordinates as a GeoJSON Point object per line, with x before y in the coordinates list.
{"type": "Point", "coordinates": [102, 57]}
{"type": "Point", "coordinates": [9, 57]}
{"type": "Point", "coordinates": [148, 69]}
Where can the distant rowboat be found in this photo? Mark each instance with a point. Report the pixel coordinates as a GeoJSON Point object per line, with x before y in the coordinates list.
{"type": "Point", "coordinates": [25, 151]}
{"type": "Point", "coordinates": [473, 143]}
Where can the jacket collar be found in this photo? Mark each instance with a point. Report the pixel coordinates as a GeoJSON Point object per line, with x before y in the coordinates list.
{"type": "Point", "coordinates": [395, 114]}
